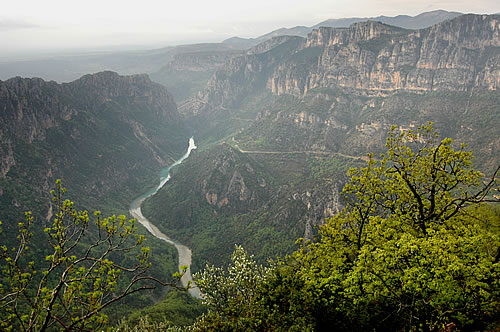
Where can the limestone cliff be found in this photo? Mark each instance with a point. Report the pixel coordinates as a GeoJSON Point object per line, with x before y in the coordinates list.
{"type": "Point", "coordinates": [31, 106]}
{"type": "Point", "coordinates": [455, 55]}
{"type": "Point", "coordinates": [97, 89]}
{"type": "Point", "coordinates": [322, 88]}
{"type": "Point", "coordinates": [370, 57]}
{"type": "Point", "coordinates": [306, 109]}
{"type": "Point", "coordinates": [239, 76]}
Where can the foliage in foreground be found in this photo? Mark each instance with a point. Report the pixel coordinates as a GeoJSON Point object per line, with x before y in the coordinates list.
{"type": "Point", "coordinates": [73, 284]}
{"type": "Point", "coordinates": [178, 309]}
{"type": "Point", "coordinates": [229, 294]}
{"type": "Point", "coordinates": [415, 249]}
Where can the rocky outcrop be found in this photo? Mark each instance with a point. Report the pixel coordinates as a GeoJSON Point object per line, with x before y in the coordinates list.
{"type": "Point", "coordinates": [370, 58]}
{"type": "Point", "coordinates": [373, 58]}
{"type": "Point", "coordinates": [29, 107]}
{"type": "Point", "coordinates": [6, 157]}
{"type": "Point", "coordinates": [321, 202]}
{"type": "Point", "coordinates": [101, 133]}
{"type": "Point", "coordinates": [269, 44]}
{"type": "Point", "coordinates": [337, 37]}
{"type": "Point", "coordinates": [93, 90]}
{"type": "Point", "coordinates": [240, 76]}
{"type": "Point", "coordinates": [230, 182]}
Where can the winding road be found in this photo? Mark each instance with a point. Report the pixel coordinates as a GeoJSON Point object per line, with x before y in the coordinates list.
{"type": "Point", "coordinates": [184, 252]}
{"type": "Point", "coordinates": [328, 153]}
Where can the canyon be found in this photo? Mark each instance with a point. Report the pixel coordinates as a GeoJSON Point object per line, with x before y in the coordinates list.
{"type": "Point", "coordinates": [278, 125]}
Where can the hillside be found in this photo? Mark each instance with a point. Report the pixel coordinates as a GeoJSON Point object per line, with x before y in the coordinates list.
{"type": "Point", "coordinates": [222, 196]}
{"type": "Point", "coordinates": [102, 134]}
{"type": "Point", "coordinates": [191, 68]}
{"type": "Point", "coordinates": [106, 136]}
{"type": "Point", "coordinates": [339, 81]}
{"type": "Point", "coordinates": [303, 110]}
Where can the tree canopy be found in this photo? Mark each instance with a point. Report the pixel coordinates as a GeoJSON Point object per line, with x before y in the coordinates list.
{"type": "Point", "coordinates": [415, 248]}
{"type": "Point", "coordinates": [78, 278]}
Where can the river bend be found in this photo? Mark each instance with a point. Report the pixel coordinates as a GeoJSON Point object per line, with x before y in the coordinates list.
{"type": "Point", "coordinates": [183, 251]}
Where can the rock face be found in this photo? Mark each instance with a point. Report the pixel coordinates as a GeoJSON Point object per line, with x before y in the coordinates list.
{"type": "Point", "coordinates": [370, 57]}
{"type": "Point", "coordinates": [341, 89]}
{"type": "Point", "coordinates": [239, 76]}
{"type": "Point", "coordinates": [304, 110]}
{"type": "Point", "coordinates": [97, 89]}
{"type": "Point", "coordinates": [456, 55]}
{"type": "Point", "coordinates": [29, 107]}
{"type": "Point", "coordinates": [420, 21]}
{"type": "Point", "coordinates": [229, 181]}
{"type": "Point", "coordinates": [101, 133]}
{"type": "Point", "coordinates": [228, 197]}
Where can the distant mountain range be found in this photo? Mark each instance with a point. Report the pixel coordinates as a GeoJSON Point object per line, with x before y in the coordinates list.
{"type": "Point", "coordinates": [172, 66]}
{"type": "Point", "coordinates": [420, 21]}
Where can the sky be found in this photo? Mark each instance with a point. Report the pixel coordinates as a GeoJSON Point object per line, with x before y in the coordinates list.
{"type": "Point", "coordinates": [45, 25]}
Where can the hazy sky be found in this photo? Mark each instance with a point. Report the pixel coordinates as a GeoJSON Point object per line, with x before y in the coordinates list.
{"type": "Point", "coordinates": [64, 24]}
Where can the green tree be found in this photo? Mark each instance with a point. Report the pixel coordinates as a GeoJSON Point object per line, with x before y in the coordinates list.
{"type": "Point", "coordinates": [78, 278]}
{"type": "Point", "coordinates": [250, 297]}
{"type": "Point", "coordinates": [413, 248]}
{"type": "Point", "coordinates": [178, 308]}
{"type": "Point", "coordinates": [231, 295]}
{"type": "Point", "coordinates": [416, 248]}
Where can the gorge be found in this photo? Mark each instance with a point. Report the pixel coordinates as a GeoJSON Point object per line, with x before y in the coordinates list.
{"type": "Point", "coordinates": [333, 94]}
{"type": "Point", "coordinates": [184, 252]}
{"type": "Point", "coordinates": [278, 125]}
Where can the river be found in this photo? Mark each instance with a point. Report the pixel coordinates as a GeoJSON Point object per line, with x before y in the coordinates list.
{"type": "Point", "coordinates": [135, 211]}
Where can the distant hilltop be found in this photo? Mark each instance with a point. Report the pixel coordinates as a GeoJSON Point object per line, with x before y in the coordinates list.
{"type": "Point", "coordinates": [420, 21]}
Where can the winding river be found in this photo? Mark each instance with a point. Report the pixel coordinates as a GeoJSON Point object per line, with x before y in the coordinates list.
{"type": "Point", "coordinates": [135, 211]}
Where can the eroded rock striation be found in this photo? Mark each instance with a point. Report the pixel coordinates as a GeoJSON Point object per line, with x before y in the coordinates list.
{"type": "Point", "coordinates": [371, 58]}
{"type": "Point", "coordinates": [456, 55]}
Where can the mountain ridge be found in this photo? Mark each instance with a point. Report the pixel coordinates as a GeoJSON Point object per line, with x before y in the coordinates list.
{"type": "Point", "coordinates": [401, 60]}
{"type": "Point", "coordinates": [419, 21]}
{"type": "Point", "coordinates": [306, 109]}
{"type": "Point", "coordinates": [48, 128]}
